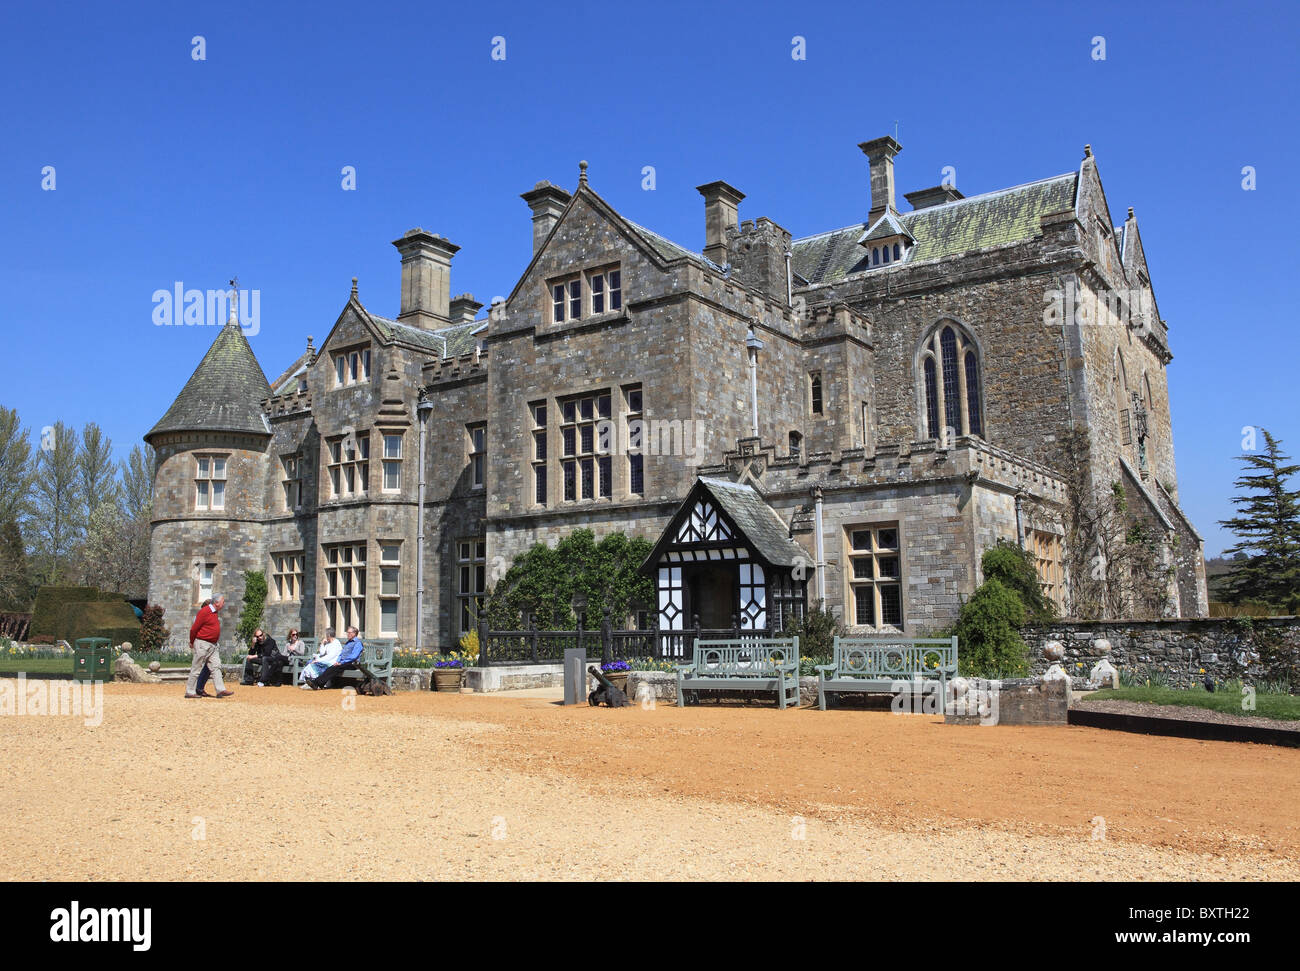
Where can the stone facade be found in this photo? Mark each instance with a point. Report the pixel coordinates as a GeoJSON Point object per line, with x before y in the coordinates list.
{"type": "Point", "coordinates": [924, 395]}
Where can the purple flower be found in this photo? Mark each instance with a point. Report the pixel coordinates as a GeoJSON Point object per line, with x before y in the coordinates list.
{"type": "Point", "coordinates": [616, 666]}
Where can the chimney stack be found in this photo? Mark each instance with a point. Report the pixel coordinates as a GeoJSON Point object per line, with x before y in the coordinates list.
{"type": "Point", "coordinates": [880, 153]}
{"type": "Point", "coordinates": [426, 278]}
{"type": "Point", "coordinates": [721, 212]}
{"type": "Point", "coordinates": [939, 195]}
{"type": "Point", "coordinates": [547, 202]}
{"type": "Point", "coordinates": [464, 308]}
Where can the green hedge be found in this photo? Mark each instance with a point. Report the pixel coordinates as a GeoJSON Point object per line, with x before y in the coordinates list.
{"type": "Point", "coordinates": [49, 605]}
{"type": "Point", "coordinates": [69, 613]}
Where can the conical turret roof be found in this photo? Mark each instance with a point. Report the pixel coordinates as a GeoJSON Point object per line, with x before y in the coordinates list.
{"type": "Point", "coordinates": [224, 393]}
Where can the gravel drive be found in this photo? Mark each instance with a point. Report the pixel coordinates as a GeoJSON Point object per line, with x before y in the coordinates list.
{"type": "Point", "coordinates": [282, 784]}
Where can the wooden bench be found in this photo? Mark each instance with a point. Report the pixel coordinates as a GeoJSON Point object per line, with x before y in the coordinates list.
{"type": "Point", "coordinates": [376, 662]}
{"type": "Point", "coordinates": [745, 664]}
{"type": "Point", "coordinates": [308, 647]}
{"type": "Point", "coordinates": [888, 665]}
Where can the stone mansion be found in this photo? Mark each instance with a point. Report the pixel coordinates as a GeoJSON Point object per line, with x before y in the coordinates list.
{"type": "Point", "coordinates": [851, 417]}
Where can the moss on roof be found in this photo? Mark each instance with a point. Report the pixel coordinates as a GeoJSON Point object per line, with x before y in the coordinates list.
{"type": "Point", "coordinates": [992, 219]}
{"type": "Point", "coordinates": [224, 393]}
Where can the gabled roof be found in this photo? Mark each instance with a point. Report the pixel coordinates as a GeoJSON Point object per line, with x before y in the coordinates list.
{"type": "Point", "coordinates": [288, 379]}
{"type": "Point", "coordinates": [979, 222]}
{"type": "Point", "coordinates": [757, 523]}
{"type": "Point", "coordinates": [885, 227]}
{"type": "Point", "coordinates": [223, 394]}
{"type": "Point", "coordinates": [446, 341]}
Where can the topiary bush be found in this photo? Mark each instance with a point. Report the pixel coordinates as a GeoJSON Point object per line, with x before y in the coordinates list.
{"type": "Point", "coordinates": [988, 637]}
{"type": "Point", "coordinates": [50, 602]}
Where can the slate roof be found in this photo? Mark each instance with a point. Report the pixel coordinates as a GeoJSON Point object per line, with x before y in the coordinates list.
{"type": "Point", "coordinates": [288, 381]}
{"type": "Point", "coordinates": [951, 229]}
{"type": "Point", "coordinates": [224, 393]}
{"type": "Point", "coordinates": [885, 227]}
{"type": "Point", "coordinates": [759, 522]}
{"type": "Point", "coordinates": [666, 248]}
{"type": "Point", "coordinates": [459, 337]}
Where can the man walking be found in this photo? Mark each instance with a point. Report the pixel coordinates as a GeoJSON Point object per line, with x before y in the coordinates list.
{"type": "Point", "coordinates": [205, 632]}
{"type": "Point", "coordinates": [348, 659]}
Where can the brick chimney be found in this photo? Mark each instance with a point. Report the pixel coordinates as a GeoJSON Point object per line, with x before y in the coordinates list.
{"type": "Point", "coordinates": [547, 202]}
{"type": "Point", "coordinates": [880, 153]}
{"type": "Point", "coordinates": [721, 212]}
{"type": "Point", "coordinates": [426, 278]}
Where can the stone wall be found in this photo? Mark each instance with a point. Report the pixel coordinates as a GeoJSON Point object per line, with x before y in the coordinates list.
{"type": "Point", "coordinates": [1183, 650]}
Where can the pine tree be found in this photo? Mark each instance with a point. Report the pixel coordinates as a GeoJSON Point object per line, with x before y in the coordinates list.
{"type": "Point", "coordinates": [1267, 528]}
{"type": "Point", "coordinates": [15, 585]}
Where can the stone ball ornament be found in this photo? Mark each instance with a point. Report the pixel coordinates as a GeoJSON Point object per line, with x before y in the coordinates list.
{"type": "Point", "coordinates": [1053, 651]}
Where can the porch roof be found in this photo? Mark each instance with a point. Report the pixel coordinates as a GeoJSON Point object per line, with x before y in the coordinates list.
{"type": "Point", "coordinates": [758, 524]}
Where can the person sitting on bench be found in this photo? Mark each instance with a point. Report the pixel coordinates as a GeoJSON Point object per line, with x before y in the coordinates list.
{"type": "Point", "coordinates": [328, 655]}
{"type": "Point", "coordinates": [347, 660]}
{"type": "Point", "coordinates": [266, 656]}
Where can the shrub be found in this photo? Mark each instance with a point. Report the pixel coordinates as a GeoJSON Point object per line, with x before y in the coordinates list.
{"type": "Point", "coordinates": [988, 636]}
{"type": "Point", "coordinates": [1013, 567]}
{"type": "Point", "coordinates": [49, 606]}
{"type": "Point", "coordinates": [469, 646]}
{"type": "Point", "coordinates": [153, 633]}
{"type": "Point", "coordinates": [250, 617]}
{"type": "Point", "coordinates": [816, 631]}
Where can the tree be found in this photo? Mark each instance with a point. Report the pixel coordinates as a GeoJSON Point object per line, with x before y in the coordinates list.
{"type": "Point", "coordinates": [57, 502]}
{"type": "Point", "coordinates": [137, 483]}
{"type": "Point", "coordinates": [1267, 528]}
{"type": "Point", "coordinates": [15, 587]}
{"type": "Point", "coordinates": [153, 632]}
{"type": "Point", "coordinates": [542, 581]}
{"type": "Point", "coordinates": [16, 467]}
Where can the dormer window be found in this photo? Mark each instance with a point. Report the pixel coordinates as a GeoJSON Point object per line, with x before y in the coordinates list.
{"type": "Point", "coordinates": [352, 367]}
{"type": "Point", "coordinates": [886, 241]}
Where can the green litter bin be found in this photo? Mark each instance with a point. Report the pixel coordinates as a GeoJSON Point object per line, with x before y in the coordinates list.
{"type": "Point", "coordinates": [92, 660]}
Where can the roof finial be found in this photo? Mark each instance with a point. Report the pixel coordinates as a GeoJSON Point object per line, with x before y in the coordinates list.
{"type": "Point", "coordinates": [582, 172]}
{"type": "Point", "coordinates": [1087, 151]}
{"type": "Point", "coordinates": [1130, 212]}
{"type": "Point", "coordinates": [354, 286]}
{"type": "Point", "coordinates": [234, 301]}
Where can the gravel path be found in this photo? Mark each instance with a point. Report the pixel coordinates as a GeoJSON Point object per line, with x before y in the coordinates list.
{"type": "Point", "coordinates": [282, 784]}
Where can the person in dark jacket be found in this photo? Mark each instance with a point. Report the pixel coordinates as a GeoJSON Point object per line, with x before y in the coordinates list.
{"type": "Point", "coordinates": [265, 654]}
{"type": "Point", "coordinates": [205, 632]}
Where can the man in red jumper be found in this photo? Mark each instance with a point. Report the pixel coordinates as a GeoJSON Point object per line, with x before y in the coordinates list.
{"type": "Point", "coordinates": [204, 635]}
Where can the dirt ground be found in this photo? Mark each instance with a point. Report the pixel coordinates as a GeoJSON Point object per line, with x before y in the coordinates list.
{"type": "Point", "coordinates": [286, 784]}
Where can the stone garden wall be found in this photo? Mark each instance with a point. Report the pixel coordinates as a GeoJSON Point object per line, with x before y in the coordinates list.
{"type": "Point", "coordinates": [1184, 651]}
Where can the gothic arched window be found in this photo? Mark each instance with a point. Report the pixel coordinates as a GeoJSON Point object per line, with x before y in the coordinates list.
{"type": "Point", "coordinates": [950, 383]}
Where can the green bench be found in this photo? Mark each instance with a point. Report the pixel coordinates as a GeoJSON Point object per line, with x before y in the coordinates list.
{"type": "Point", "coordinates": [293, 664]}
{"type": "Point", "coordinates": [745, 664]}
{"type": "Point", "coordinates": [890, 665]}
{"type": "Point", "coordinates": [376, 662]}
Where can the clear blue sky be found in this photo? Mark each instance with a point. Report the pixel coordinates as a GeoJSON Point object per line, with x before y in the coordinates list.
{"type": "Point", "coordinates": [170, 169]}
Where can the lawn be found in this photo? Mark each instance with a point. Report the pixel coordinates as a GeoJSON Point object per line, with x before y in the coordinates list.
{"type": "Point", "coordinates": [1227, 698]}
{"type": "Point", "coordinates": [37, 665]}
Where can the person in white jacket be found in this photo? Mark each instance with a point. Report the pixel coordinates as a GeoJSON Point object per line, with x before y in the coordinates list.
{"type": "Point", "coordinates": [330, 649]}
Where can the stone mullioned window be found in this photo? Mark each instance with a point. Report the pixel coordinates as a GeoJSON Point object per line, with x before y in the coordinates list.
{"type": "Point", "coordinates": [874, 578]}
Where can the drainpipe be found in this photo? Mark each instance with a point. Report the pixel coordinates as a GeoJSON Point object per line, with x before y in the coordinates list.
{"type": "Point", "coordinates": [753, 345]}
{"type": "Point", "coordinates": [423, 408]}
{"type": "Point", "coordinates": [820, 545]}
{"type": "Point", "coordinates": [1020, 529]}
{"type": "Point", "coordinates": [789, 280]}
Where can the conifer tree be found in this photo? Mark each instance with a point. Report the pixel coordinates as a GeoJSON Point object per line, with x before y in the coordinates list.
{"type": "Point", "coordinates": [1267, 528]}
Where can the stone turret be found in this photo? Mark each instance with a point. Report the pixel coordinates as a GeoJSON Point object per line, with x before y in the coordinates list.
{"type": "Point", "coordinates": [209, 482]}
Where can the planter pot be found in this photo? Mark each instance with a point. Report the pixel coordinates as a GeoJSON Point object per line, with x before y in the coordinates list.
{"type": "Point", "coordinates": [447, 679]}
{"type": "Point", "coordinates": [618, 679]}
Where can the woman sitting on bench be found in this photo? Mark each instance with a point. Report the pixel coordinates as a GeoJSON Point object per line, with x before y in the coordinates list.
{"type": "Point", "coordinates": [330, 649]}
